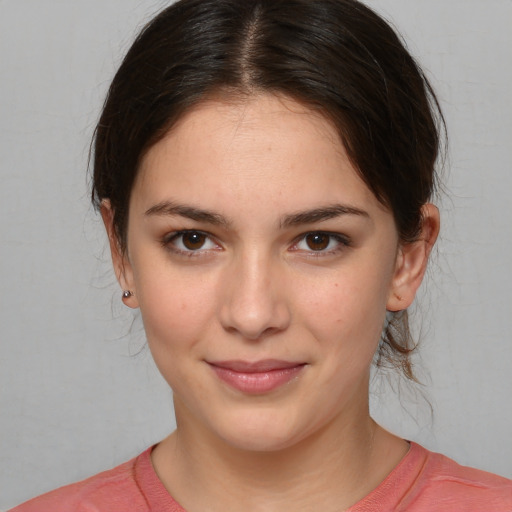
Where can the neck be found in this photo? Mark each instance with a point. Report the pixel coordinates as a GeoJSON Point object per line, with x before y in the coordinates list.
{"type": "Point", "coordinates": [330, 470]}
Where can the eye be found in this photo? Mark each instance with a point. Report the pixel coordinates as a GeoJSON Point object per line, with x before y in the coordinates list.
{"type": "Point", "coordinates": [321, 242]}
{"type": "Point", "coordinates": [189, 241]}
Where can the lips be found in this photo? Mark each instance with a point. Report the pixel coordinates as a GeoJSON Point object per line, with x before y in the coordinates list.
{"type": "Point", "coordinates": [256, 377]}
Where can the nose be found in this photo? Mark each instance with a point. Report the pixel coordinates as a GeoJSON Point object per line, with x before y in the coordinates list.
{"type": "Point", "coordinates": [254, 301]}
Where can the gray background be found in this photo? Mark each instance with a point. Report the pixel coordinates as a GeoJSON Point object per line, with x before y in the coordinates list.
{"type": "Point", "coordinates": [78, 395]}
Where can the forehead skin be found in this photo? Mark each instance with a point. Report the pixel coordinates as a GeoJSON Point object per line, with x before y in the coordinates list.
{"type": "Point", "coordinates": [229, 147]}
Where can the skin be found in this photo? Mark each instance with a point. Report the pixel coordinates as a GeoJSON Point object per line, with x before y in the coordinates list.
{"type": "Point", "coordinates": [249, 284]}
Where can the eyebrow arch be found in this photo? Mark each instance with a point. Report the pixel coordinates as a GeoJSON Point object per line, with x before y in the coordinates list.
{"type": "Point", "coordinates": [168, 208]}
{"type": "Point", "coordinates": [321, 214]}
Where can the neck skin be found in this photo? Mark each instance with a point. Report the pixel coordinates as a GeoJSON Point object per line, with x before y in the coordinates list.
{"type": "Point", "coordinates": [330, 470]}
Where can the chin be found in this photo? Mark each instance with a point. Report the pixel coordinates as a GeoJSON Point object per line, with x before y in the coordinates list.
{"type": "Point", "coordinates": [262, 442]}
{"type": "Point", "coordinates": [260, 433]}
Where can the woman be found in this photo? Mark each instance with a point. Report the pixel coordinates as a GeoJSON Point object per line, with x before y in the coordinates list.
{"type": "Point", "coordinates": [264, 171]}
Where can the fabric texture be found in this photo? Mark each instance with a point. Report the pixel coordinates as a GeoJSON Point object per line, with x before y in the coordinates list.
{"type": "Point", "coordinates": [422, 482]}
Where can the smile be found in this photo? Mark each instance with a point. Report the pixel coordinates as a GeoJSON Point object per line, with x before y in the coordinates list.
{"type": "Point", "coordinates": [258, 377]}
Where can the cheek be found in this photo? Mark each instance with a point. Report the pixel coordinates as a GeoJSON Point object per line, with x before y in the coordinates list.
{"type": "Point", "coordinates": [176, 317]}
{"type": "Point", "coordinates": [348, 311]}
{"type": "Point", "coordinates": [176, 308]}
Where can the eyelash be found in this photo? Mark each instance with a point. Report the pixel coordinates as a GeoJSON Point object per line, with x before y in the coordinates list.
{"type": "Point", "coordinates": [169, 243]}
{"type": "Point", "coordinates": [342, 242]}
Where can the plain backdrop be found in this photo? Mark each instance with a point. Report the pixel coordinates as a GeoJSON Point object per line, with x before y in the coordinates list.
{"type": "Point", "coordinates": [79, 392]}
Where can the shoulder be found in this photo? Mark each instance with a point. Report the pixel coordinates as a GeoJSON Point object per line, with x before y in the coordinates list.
{"type": "Point", "coordinates": [445, 485]}
{"type": "Point", "coordinates": [115, 490]}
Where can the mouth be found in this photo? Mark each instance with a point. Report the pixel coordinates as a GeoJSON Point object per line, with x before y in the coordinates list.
{"type": "Point", "coordinates": [256, 377]}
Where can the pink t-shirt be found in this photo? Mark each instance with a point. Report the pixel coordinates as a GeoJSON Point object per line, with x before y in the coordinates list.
{"type": "Point", "coordinates": [422, 482]}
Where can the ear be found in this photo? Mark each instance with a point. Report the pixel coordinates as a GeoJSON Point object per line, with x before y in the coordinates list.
{"type": "Point", "coordinates": [411, 262]}
{"type": "Point", "coordinates": [122, 266]}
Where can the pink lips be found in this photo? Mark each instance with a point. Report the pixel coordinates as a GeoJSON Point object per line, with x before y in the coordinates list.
{"type": "Point", "coordinates": [258, 377]}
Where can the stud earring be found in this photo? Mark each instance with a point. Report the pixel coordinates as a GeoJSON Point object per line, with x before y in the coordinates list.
{"type": "Point", "coordinates": [127, 294]}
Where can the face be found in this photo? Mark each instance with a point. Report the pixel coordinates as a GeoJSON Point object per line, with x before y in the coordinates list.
{"type": "Point", "coordinates": [263, 267]}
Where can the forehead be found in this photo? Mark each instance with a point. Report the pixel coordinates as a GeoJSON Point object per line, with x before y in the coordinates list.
{"type": "Point", "coordinates": [264, 148]}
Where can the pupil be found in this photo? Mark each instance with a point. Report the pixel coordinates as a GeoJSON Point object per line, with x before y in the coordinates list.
{"type": "Point", "coordinates": [317, 241]}
{"type": "Point", "coordinates": [193, 240]}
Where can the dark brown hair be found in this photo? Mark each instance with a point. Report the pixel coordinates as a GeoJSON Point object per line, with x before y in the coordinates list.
{"type": "Point", "coordinates": [335, 56]}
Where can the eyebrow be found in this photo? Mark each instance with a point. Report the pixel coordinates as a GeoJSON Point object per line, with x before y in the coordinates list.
{"type": "Point", "coordinates": [321, 214]}
{"type": "Point", "coordinates": [168, 208]}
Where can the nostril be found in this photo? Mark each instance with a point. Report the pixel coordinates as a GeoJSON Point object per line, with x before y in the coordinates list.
{"type": "Point", "coordinates": [254, 321]}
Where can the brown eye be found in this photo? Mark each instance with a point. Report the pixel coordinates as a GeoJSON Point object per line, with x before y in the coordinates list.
{"type": "Point", "coordinates": [193, 240]}
{"type": "Point", "coordinates": [190, 243]}
{"type": "Point", "coordinates": [321, 243]}
{"type": "Point", "coordinates": [317, 241]}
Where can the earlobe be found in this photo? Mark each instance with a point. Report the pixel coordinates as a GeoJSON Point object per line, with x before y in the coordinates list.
{"type": "Point", "coordinates": [120, 261]}
{"type": "Point", "coordinates": [412, 260]}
